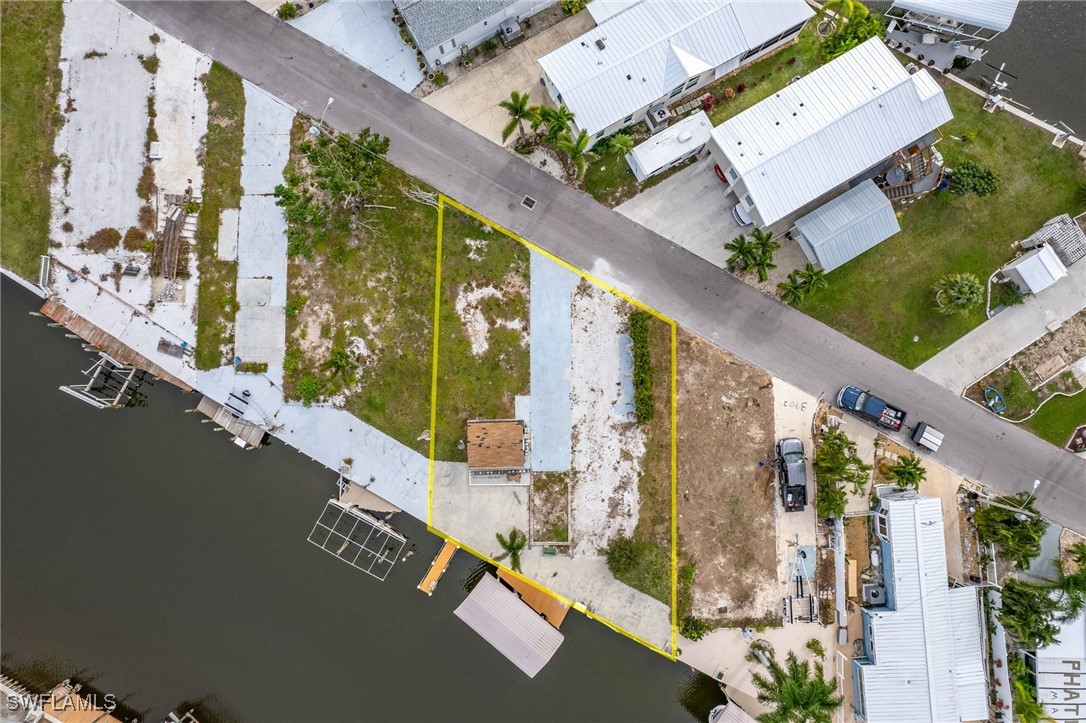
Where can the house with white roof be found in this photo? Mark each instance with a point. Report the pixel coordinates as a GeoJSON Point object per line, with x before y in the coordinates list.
{"type": "Point", "coordinates": [442, 29]}
{"type": "Point", "coordinates": [974, 21]}
{"type": "Point", "coordinates": [923, 658]}
{"type": "Point", "coordinates": [671, 146]}
{"type": "Point", "coordinates": [862, 115]}
{"type": "Point", "coordinates": [642, 56]}
{"type": "Point", "coordinates": [839, 231]}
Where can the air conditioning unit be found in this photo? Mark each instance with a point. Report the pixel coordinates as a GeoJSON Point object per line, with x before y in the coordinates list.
{"type": "Point", "coordinates": [874, 594]}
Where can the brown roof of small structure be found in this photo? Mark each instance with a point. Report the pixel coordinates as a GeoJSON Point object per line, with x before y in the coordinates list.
{"type": "Point", "coordinates": [497, 444]}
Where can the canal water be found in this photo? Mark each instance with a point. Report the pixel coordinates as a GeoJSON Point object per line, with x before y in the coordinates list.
{"type": "Point", "coordinates": [147, 550]}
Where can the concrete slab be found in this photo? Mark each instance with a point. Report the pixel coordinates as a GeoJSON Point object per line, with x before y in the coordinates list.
{"type": "Point", "coordinates": [551, 293]}
{"type": "Point", "coordinates": [365, 33]}
{"type": "Point", "coordinates": [445, 100]}
{"type": "Point", "coordinates": [260, 334]}
{"type": "Point", "coordinates": [692, 209]}
{"type": "Point", "coordinates": [228, 235]}
{"type": "Point", "coordinates": [793, 416]}
{"type": "Point", "coordinates": [254, 292]}
{"type": "Point", "coordinates": [262, 244]}
{"type": "Point", "coordinates": [1007, 333]}
{"type": "Point", "coordinates": [267, 141]}
{"type": "Point", "coordinates": [475, 514]}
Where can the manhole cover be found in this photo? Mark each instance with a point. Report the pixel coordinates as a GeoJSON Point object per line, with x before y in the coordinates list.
{"type": "Point", "coordinates": [528, 203]}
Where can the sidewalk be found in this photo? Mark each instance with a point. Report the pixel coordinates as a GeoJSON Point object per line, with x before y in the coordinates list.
{"type": "Point", "coordinates": [1004, 335]}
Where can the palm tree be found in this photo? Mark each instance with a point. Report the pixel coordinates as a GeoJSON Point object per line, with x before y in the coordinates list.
{"type": "Point", "coordinates": [793, 291]}
{"type": "Point", "coordinates": [340, 363]}
{"type": "Point", "coordinates": [1027, 611]}
{"type": "Point", "coordinates": [743, 252]}
{"type": "Point", "coordinates": [621, 144]}
{"type": "Point", "coordinates": [813, 278]}
{"type": "Point", "coordinates": [798, 696]}
{"type": "Point", "coordinates": [513, 545]}
{"type": "Point", "coordinates": [1026, 707]}
{"type": "Point", "coordinates": [557, 121]}
{"type": "Point", "coordinates": [578, 151]}
{"type": "Point", "coordinates": [844, 11]}
{"type": "Point", "coordinates": [764, 247]}
{"type": "Point", "coordinates": [957, 293]}
{"type": "Point", "coordinates": [519, 111]}
{"type": "Point", "coordinates": [908, 472]}
{"type": "Point", "coordinates": [1070, 583]}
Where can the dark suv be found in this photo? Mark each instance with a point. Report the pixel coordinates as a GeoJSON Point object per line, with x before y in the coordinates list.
{"type": "Point", "coordinates": [792, 473]}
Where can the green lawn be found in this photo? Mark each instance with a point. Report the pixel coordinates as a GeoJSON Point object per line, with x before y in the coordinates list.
{"type": "Point", "coordinates": [1059, 418]}
{"type": "Point", "coordinates": [883, 298]}
{"type": "Point", "coordinates": [215, 303]}
{"type": "Point", "coordinates": [482, 386]}
{"type": "Point", "coordinates": [29, 55]}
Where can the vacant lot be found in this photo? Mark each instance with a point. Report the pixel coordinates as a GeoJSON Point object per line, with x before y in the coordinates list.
{"type": "Point", "coordinates": [725, 499]}
{"type": "Point", "coordinates": [1058, 419]}
{"type": "Point", "coordinates": [216, 303]}
{"type": "Point", "coordinates": [482, 361]}
{"type": "Point", "coordinates": [884, 297]}
{"type": "Point", "coordinates": [29, 54]}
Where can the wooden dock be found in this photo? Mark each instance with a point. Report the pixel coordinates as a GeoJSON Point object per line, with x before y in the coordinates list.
{"type": "Point", "coordinates": [110, 345]}
{"type": "Point", "coordinates": [438, 567]}
{"type": "Point", "coordinates": [551, 608]}
{"type": "Point", "coordinates": [251, 434]}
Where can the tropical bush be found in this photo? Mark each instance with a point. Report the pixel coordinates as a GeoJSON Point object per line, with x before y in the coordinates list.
{"type": "Point", "coordinates": [644, 408]}
{"type": "Point", "coordinates": [970, 176]}
{"type": "Point", "coordinates": [440, 79]}
{"type": "Point", "coordinates": [513, 545]}
{"type": "Point", "coordinates": [1013, 527]}
{"type": "Point", "coordinates": [852, 34]}
{"type": "Point", "coordinates": [1008, 294]}
{"type": "Point", "coordinates": [957, 293]}
{"type": "Point", "coordinates": [694, 628]}
{"type": "Point", "coordinates": [287, 11]}
{"type": "Point", "coordinates": [907, 472]}
{"type": "Point", "coordinates": [309, 389]}
{"type": "Point", "coordinates": [572, 7]}
{"type": "Point", "coordinates": [1029, 613]}
{"type": "Point", "coordinates": [837, 462]}
{"type": "Point", "coordinates": [795, 694]}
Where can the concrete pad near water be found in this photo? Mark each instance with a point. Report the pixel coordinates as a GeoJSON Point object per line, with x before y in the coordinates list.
{"type": "Point", "coordinates": [181, 115]}
{"type": "Point", "coordinates": [262, 244]}
{"type": "Point", "coordinates": [227, 249]}
{"type": "Point", "coordinates": [474, 514]}
{"type": "Point", "coordinates": [551, 295]}
{"type": "Point", "coordinates": [365, 33]}
{"type": "Point", "coordinates": [254, 292]}
{"type": "Point", "coordinates": [998, 339]}
{"type": "Point", "coordinates": [260, 334]}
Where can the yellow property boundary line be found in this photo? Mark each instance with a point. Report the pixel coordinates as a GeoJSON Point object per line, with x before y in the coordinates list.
{"type": "Point", "coordinates": [441, 203]}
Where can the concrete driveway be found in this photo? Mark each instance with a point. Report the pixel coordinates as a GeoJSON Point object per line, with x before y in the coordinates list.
{"type": "Point", "coordinates": [692, 208]}
{"type": "Point", "coordinates": [473, 98]}
{"type": "Point", "coordinates": [365, 33]}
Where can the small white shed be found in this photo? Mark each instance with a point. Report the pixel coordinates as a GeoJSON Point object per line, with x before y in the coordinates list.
{"type": "Point", "coordinates": [1037, 270]}
{"type": "Point", "coordinates": [670, 146]}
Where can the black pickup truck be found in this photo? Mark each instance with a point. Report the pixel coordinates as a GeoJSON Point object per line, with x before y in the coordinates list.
{"type": "Point", "coordinates": [792, 474]}
{"type": "Point", "coordinates": [868, 406]}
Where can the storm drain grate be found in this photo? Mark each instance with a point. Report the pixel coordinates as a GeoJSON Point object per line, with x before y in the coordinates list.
{"type": "Point", "coordinates": [528, 203]}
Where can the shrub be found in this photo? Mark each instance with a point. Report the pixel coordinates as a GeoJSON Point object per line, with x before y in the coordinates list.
{"type": "Point", "coordinates": [309, 389]}
{"type": "Point", "coordinates": [729, 93]}
{"type": "Point", "coordinates": [572, 7]}
{"type": "Point", "coordinates": [252, 367]}
{"type": "Point", "coordinates": [134, 239]}
{"type": "Point", "coordinates": [644, 407]}
{"type": "Point", "coordinates": [67, 227]}
{"type": "Point", "coordinates": [694, 628]}
{"type": "Point", "coordinates": [707, 104]}
{"type": "Point", "coordinates": [854, 32]}
{"type": "Point", "coordinates": [292, 360]}
{"type": "Point", "coordinates": [287, 11]}
{"type": "Point", "coordinates": [970, 176]}
{"type": "Point", "coordinates": [1008, 294]}
{"type": "Point", "coordinates": [622, 555]}
{"type": "Point", "coordinates": [792, 60]}
{"type": "Point", "coordinates": [488, 46]}
{"type": "Point", "coordinates": [440, 79]}
{"type": "Point", "coordinates": [103, 240]}
{"type": "Point", "coordinates": [969, 136]}
{"type": "Point", "coordinates": [817, 648]}
{"type": "Point", "coordinates": [907, 472]}
{"type": "Point", "coordinates": [740, 88]}
{"type": "Point", "coordinates": [145, 187]}
{"type": "Point", "coordinates": [295, 304]}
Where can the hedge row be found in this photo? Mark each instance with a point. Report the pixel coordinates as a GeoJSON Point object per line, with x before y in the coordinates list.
{"type": "Point", "coordinates": [644, 409]}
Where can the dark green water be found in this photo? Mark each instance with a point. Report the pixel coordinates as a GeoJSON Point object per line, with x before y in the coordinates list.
{"type": "Point", "coordinates": [144, 548]}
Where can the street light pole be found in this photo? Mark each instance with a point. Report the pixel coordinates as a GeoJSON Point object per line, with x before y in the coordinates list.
{"type": "Point", "coordinates": [1021, 516]}
{"type": "Point", "coordinates": [321, 121]}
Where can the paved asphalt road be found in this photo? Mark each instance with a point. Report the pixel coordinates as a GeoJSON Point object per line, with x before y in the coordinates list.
{"type": "Point", "coordinates": [570, 224]}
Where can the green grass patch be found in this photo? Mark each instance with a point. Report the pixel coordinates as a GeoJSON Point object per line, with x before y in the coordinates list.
{"type": "Point", "coordinates": [215, 303]}
{"type": "Point", "coordinates": [884, 297]}
{"type": "Point", "coordinates": [476, 383]}
{"type": "Point", "coordinates": [642, 564]}
{"type": "Point", "coordinates": [29, 56]}
{"type": "Point", "coordinates": [1058, 419]}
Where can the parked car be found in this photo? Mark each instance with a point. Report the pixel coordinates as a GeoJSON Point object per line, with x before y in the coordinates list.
{"type": "Point", "coordinates": [720, 174]}
{"type": "Point", "coordinates": [741, 216]}
{"type": "Point", "coordinates": [792, 474]}
{"type": "Point", "coordinates": [867, 406]}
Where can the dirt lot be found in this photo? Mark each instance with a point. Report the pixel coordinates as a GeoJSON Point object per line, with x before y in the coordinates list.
{"type": "Point", "coordinates": [857, 547]}
{"type": "Point", "coordinates": [548, 511]}
{"type": "Point", "coordinates": [726, 522]}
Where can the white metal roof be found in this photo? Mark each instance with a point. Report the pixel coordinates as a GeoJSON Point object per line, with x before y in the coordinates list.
{"type": "Point", "coordinates": [850, 224]}
{"type": "Point", "coordinates": [829, 126]}
{"type": "Point", "coordinates": [507, 623]}
{"type": "Point", "coordinates": [669, 145]}
{"type": "Point", "coordinates": [926, 650]}
{"type": "Point", "coordinates": [654, 46]}
{"type": "Point", "coordinates": [1039, 268]}
{"type": "Point", "coordinates": [991, 14]}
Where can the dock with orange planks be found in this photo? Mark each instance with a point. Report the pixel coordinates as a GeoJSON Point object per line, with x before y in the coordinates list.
{"type": "Point", "coordinates": [438, 567]}
{"type": "Point", "coordinates": [551, 608]}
